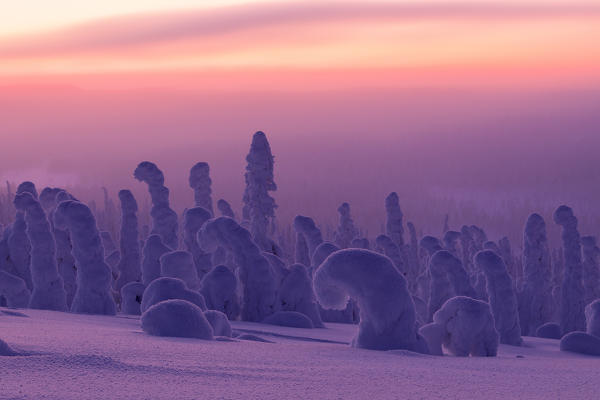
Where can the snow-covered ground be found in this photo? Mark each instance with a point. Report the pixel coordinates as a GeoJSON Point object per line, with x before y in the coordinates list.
{"type": "Point", "coordinates": [73, 356]}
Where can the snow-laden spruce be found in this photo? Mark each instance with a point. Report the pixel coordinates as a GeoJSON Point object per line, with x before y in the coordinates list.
{"type": "Point", "coordinates": [219, 288]}
{"type": "Point", "coordinates": [448, 279]}
{"type": "Point", "coordinates": [391, 249]}
{"type": "Point", "coordinates": [572, 305]}
{"type": "Point", "coordinates": [536, 303]}
{"type": "Point", "coordinates": [176, 318]}
{"type": "Point", "coordinates": [131, 298]}
{"type": "Point", "coordinates": [66, 263]}
{"type": "Point", "coordinates": [48, 290]}
{"type": "Point", "coordinates": [180, 264]}
{"type": "Point", "coordinates": [93, 294]}
{"type": "Point", "coordinates": [164, 219]}
{"type": "Point", "coordinates": [394, 227]}
{"type": "Point", "coordinates": [591, 268]}
{"type": "Point", "coordinates": [257, 278]}
{"type": "Point", "coordinates": [502, 297]}
{"type": "Point", "coordinates": [346, 230]}
{"type": "Point", "coordinates": [14, 290]}
{"type": "Point", "coordinates": [166, 288]}
{"type": "Point", "coordinates": [306, 227]}
{"type": "Point", "coordinates": [152, 252]}
{"type": "Point", "coordinates": [259, 206]}
{"type": "Point", "coordinates": [296, 294]}
{"type": "Point", "coordinates": [193, 219]}
{"type": "Point", "coordinates": [387, 312]}
{"type": "Point", "coordinates": [463, 326]}
{"type": "Point", "coordinates": [200, 183]}
{"type": "Point", "coordinates": [130, 264]}
{"type": "Point", "coordinates": [225, 209]}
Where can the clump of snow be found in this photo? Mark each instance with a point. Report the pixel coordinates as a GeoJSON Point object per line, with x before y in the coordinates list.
{"type": "Point", "coordinates": [572, 316]}
{"type": "Point", "coordinates": [592, 318]}
{"type": "Point", "coordinates": [153, 251]}
{"type": "Point", "coordinates": [131, 298]}
{"type": "Point", "coordinates": [200, 182]}
{"type": "Point", "coordinates": [463, 326]}
{"type": "Point", "coordinates": [164, 219]}
{"type": "Point", "coordinates": [503, 299]}
{"type": "Point", "coordinates": [219, 322]}
{"type": "Point", "coordinates": [129, 265]}
{"type": "Point", "coordinates": [180, 264]}
{"type": "Point", "coordinates": [580, 342]}
{"type": "Point", "coordinates": [169, 288]}
{"type": "Point", "coordinates": [549, 330]}
{"type": "Point", "coordinates": [291, 319]}
{"type": "Point", "coordinates": [176, 318]}
{"type": "Point", "coordinates": [296, 294]}
{"type": "Point", "coordinates": [387, 312]}
{"type": "Point", "coordinates": [256, 275]}
{"type": "Point", "coordinates": [219, 288]}
{"type": "Point", "coordinates": [93, 295]}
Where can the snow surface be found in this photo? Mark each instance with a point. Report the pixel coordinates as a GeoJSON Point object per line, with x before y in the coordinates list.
{"type": "Point", "coordinates": [79, 356]}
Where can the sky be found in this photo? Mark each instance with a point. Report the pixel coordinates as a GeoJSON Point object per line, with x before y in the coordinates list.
{"type": "Point", "coordinates": [466, 99]}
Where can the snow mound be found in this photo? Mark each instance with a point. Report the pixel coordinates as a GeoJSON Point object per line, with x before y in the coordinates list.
{"type": "Point", "coordinates": [131, 298]}
{"type": "Point", "coordinates": [580, 342]}
{"type": "Point", "coordinates": [169, 288]}
{"type": "Point", "coordinates": [549, 330]}
{"type": "Point", "coordinates": [5, 349]}
{"type": "Point", "coordinates": [292, 319]}
{"type": "Point", "coordinates": [177, 318]}
{"type": "Point", "coordinates": [219, 323]}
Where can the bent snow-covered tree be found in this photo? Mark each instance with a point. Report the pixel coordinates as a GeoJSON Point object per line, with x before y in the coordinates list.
{"type": "Point", "coordinates": [572, 317]}
{"type": "Point", "coordinates": [200, 182]}
{"type": "Point", "coordinates": [259, 206]}
{"type": "Point", "coordinates": [387, 311]}
{"type": "Point", "coordinates": [130, 264]}
{"type": "Point", "coordinates": [93, 294]}
{"type": "Point", "coordinates": [48, 290]}
{"type": "Point", "coordinates": [164, 219]}
{"type": "Point", "coordinates": [257, 278]}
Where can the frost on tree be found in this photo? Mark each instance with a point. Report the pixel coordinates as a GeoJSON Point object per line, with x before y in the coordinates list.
{"type": "Point", "coordinates": [448, 279]}
{"type": "Point", "coordinates": [394, 227]}
{"type": "Point", "coordinates": [93, 294]}
{"type": "Point", "coordinates": [225, 209]}
{"type": "Point", "coordinates": [219, 288]}
{"type": "Point", "coordinates": [48, 290]}
{"type": "Point", "coordinates": [391, 249]}
{"type": "Point", "coordinates": [259, 206]}
{"type": "Point", "coordinates": [180, 264]}
{"type": "Point", "coordinates": [200, 182]}
{"type": "Point", "coordinates": [153, 250]}
{"type": "Point", "coordinates": [164, 219]}
{"type": "Point", "coordinates": [14, 290]}
{"type": "Point", "coordinates": [387, 312]}
{"type": "Point", "coordinates": [536, 303]}
{"type": "Point", "coordinates": [167, 288]}
{"type": "Point", "coordinates": [297, 294]}
{"type": "Point", "coordinates": [193, 219]}
{"type": "Point", "coordinates": [572, 316]}
{"type": "Point", "coordinates": [256, 275]}
{"type": "Point", "coordinates": [591, 271]}
{"type": "Point", "coordinates": [346, 230]}
{"type": "Point", "coordinates": [176, 318]}
{"type": "Point", "coordinates": [306, 227]}
{"type": "Point", "coordinates": [129, 266]}
{"type": "Point", "coordinates": [463, 326]}
{"type": "Point", "coordinates": [502, 297]}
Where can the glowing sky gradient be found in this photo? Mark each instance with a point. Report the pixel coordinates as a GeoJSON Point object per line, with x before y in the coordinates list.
{"type": "Point", "coordinates": [471, 88]}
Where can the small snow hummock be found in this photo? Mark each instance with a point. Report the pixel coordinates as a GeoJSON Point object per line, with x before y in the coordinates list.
{"type": "Point", "coordinates": [387, 312]}
{"type": "Point", "coordinates": [166, 288]}
{"type": "Point", "coordinates": [180, 264]}
{"type": "Point", "coordinates": [131, 298]}
{"type": "Point", "coordinates": [153, 251]}
{"type": "Point", "coordinates": [549, 330]}
{"type": "Point", "coordinates": [93, 294]}
{"type": "Point", "coordinates": [6, 350]}
{"type": "Point", "coordinates": [176, 318]}
{"type": "Point", "coordinates": [572, 305]}
{"type": "Point", "coordinates": [503, 299]}
{"type": "Point", "coordinates": [48, 290]}
{"type": "Point", "coordinates": [130, 263]}
{"type": "Point", "coordinates": [200, 183]}
{"type": "Point", "coordinates": [219, 288]}
{"type": "Point", "coordinates": [164, 219]}
{"type": "Point", "coordinates": [580, 342]}
{"type": "Point", "coordinates": [291, 319]}
{"type": "Point", "coordinates": [463, 326]}
{"type": "Point", "coordinates": [219, 323]}
{"type": "Point", "coordinates": [296, 294]}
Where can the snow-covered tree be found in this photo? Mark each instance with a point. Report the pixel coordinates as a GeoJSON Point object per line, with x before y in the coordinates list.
{"type": "Point", "coordinates": [14, 290]}
{"type": "Point", "coordinates": [306, 227]}
{"type": "Point", "coordinates": [394, 227]}
{"type": "Point", "coordinates": [180, 264]}
{"type": "Point", "coordinates": [130, 264]}
{"type": "Point", "coordinates": [153, 250]}
{"type": "Point", "coordinates": [297, 294]}
{"type": "Point", "coordinates": [391, 249]}
{"type": "Point", "coordinates": [225, 209]}
{"type": "Point", "coordinates": [346, 230]}
{"type": "Point", "coordinates": [591, 271]}
{"type": "Point", "coordinates": [219, 288]}
{"type": "Point", "coordinates": [200, 182]}
{"type": "Point", "coordinates": [193, 219]}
